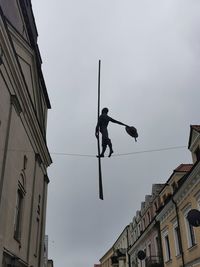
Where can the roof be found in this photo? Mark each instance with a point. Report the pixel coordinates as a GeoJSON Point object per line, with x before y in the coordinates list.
{"type": "Point", "coordinates": [183, 168]}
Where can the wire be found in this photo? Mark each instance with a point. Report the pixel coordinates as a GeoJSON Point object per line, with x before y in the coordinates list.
{"type": "Point", "coordinates": [115, 155]}
{"type": "Point", "coordinates": [122, 154]}
{"type": "Point", "coordinates": [72, 154]}
{"type": "Point", "coordinates": [149, 151]}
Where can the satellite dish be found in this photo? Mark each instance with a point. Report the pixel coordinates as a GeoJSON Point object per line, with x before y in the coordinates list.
{"type": "Point", "coordinates": [194, 217]}
{"type": "Point", "coordinates": [141, 255]}
{"type": "Point", "coordinates": [132, 131]}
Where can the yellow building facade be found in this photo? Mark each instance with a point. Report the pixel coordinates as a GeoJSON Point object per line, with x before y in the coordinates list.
{"type": "Point", "coordinates": [181, 241]}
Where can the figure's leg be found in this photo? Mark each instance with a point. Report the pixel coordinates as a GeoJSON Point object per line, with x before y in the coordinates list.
{"type": "Point", "coordinates": [104, 146]}
{"type": "Point", "coordinates": [110, 147]}
{"type": "Point", "coordinates": [103, 151]}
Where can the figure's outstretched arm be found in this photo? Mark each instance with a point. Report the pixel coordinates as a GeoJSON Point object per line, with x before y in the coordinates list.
{"type": "Point", "coordinates": [118, 122]}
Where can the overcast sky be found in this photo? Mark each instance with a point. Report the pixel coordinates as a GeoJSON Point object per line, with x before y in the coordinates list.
{"type": "Point", "coordinates": [150, 78]}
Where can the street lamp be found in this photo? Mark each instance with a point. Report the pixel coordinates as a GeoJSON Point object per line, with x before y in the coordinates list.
{"type": "Point", "coordinates": [141, 255]}
{"type": "Point", "coordinates": [194, 217]}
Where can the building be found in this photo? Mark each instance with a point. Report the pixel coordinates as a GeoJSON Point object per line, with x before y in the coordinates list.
{"type": "Point", "coordinates": [120, 256]}
{"type": "Point", "coordinates": [24, 156]}
{"type": "Point", "coordinates": [181, 241]}
{"type": "Point", "coordinates": [160, 229]}
{"type": "Point", "coordinates": [106, 259]}
{"type": "Point", "coordinates": [46, 247]}
{"type": "Point", "coordinates": [50, 263]}
{"type": "Point", "coordinates": [145, 232]}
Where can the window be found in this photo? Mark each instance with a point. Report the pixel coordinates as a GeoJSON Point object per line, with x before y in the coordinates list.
{"type": "Point", "coordinates": [144, 223]}
{"type": "Point", "coordinates": [177, 239]}
{"type": "Point", "coordinates": [37, 237]}
{"type": "Point", "coordinates": [149, 249]}
{"type": "Point", "coordinates": [156, 245]}
{"type": "Point", "coordinates": [149, 217]}
{"type": "Point", "coordinates": [18, 215]}
{"type": "Point", "coordinates": [174, 186]}
{"type": "Point", "coordinates": [198, 202]}
{"type": "Point", "coordinates": [167, 247]}
{"type": "Point", "coordinates": [139, 228]}
{"type": "Point", "coordinates": [190, 231]}
{"type": "Point", "coordinates": [19, 207]}
{"type": "Point", "coordinates": [143, 261]}
{"type": "Point", "coordinates": [155, 205]}
{"type": "Point", "coordinates": [135, 234]}
{"type": "Point", "coordinates": [164, 198]}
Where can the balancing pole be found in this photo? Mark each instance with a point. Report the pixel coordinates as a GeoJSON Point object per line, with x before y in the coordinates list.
{"type": "Point", "coordinates": [98, 142]}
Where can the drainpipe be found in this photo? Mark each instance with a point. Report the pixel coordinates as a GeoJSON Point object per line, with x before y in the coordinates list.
{"type": "Point", "coordinates": [180, 238]}
{"type": "Point", "coordinates": [129, 258]}
{"type": "Point", "coordinates": [160, 242]}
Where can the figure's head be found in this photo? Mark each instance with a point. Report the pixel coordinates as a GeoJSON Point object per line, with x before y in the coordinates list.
{"type": "Point", "coordinates": [104, 111]}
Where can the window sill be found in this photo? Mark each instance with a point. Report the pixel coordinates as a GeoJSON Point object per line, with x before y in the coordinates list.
{"type": "Point", "coordinates": [178, 256]}
{"type": "Point", "coordinates": [192, 247]}
{"type": "Point", "coordinates": [168, 261]}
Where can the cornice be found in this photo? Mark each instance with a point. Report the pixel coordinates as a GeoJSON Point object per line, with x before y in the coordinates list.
{"type": "Point", "coordinates": [192, 180]}
{"type": "Point", "coordinates": [165, 212]}
{"type": "Point", "coordinates": [190, 183]}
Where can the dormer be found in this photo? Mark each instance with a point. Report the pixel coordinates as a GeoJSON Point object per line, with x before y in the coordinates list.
{"type": "Point", "coordinates": [194, 142]}
{"type": "Point", "coordinates": [173, 182]}
{"type": "Point", "coordinates": [148, 199]}
{"type": "Point", "coordinates": [156, 188]}
{"type": "Point", "coordinates": [142, 208]}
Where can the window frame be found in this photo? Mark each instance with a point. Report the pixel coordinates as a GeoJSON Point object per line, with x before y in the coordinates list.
{"type": "Point", "coordinates": [19, 207]}
{"type": "Point", "coordinates": [191, 238]}
{"type": "Point", "coordinates": [167, 254]}
{"type": "Point", "coordinates": [177, 240]}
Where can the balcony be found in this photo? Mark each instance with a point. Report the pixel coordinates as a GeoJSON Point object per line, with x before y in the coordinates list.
{"type": "Point", "coordinates": [154, 261]}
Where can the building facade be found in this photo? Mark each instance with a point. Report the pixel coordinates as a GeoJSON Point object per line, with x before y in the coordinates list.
{"type": "Point", "coordinates": [181, 241]}
{"type": "Point", "coordinates": [24, 156]}
{"type": "Point", "coordinates": [160, 231]}
{"type": "Point", "coordinates": [106, 259]}
{"type": "Point", "coordinates": [145, 231]}
{"type": "Point", "coordinates": [120, 256]}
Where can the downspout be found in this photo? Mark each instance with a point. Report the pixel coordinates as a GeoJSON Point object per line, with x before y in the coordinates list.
{"type": "Point", "coordinates": [180, 239]}
{"type": "Point", "coordinates": [129, 258]}
{"type": "Point", "coordinates": [160, 252]}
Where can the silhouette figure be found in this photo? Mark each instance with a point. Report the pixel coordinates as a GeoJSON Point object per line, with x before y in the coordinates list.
{"type": "Point", "coordinates": [102, 125]}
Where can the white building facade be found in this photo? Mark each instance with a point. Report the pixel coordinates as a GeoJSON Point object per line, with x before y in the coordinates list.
{"type": "Point", "coordinates": [24, 156]}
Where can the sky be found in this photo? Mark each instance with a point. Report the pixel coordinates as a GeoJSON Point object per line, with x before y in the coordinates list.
{"type": "Point", "coordinates": [150, 65]}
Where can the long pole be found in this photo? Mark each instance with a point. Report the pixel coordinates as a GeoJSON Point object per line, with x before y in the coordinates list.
{"type": "Point", "coordinates": [98, 142]}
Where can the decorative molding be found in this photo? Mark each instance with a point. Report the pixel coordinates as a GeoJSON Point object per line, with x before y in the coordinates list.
{"type": "Point", "coordinates": [189, 185]}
